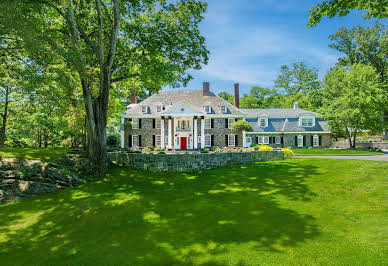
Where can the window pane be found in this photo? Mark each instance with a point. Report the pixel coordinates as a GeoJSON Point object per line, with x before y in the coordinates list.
{"type": "Point", "coordinates": [207, 123]}
{"type": "Point", "coordinates": [316, 141]}
{"type": "Point", "coordinates": [158, 141]}
{"type": "Point", "coordinates": [231, 140]}
{"type": "Point", "coordinates": [300, 141]}
{"type": "Point", "coordinates": [208, 140]}
{"type": "Point", "coordinates": [277, 140]}
{"type": "Point", "coordinates": [158, 123]}
{"type": "Point", "coordinates": [135, 123]}
{"type": "Point", "coordinates": [135, 141]}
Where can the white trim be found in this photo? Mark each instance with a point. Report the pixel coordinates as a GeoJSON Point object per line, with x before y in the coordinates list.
{"type": "Point", "coordinates": [261, 119]}
{"type": "Point", "coordinates": [162, 144]}
{"type": "Point", "coordinates": [231, 140]}
{"type": "Point", "coordinates": [209, 126]}
{"type": "Point", "coordinates": [158, 142]}
{"type": "Point", "coordinates": [202, 133]}
{"type": "Point", "coordinates": [207, 109]}
{"type": "Point", "coordinates": [195, 134]}
{"type": "Point", "coordinates": [137, 123]}
{"type": "Point", "coordinates": [263, 139]}
{"type": "Point", "coordinates": [146, 109]}
{"type": "Point", "coordinates": [225, 109]}
{"type": "Point", "coordinates": [278, 140]}
{"type": "Point", "coordinates": [169, 134]}
{"type": "Point", "coordinates": [229, 121]}
{"type": "Point", "coordinates": [122, 132]}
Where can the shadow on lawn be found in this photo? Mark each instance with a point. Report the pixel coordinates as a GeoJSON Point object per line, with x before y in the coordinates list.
{"type": "Point", "coordinates": [140, 218]}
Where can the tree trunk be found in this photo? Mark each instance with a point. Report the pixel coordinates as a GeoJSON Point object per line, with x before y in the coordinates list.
{"type": "Point", "coordinates": [45, 139]}
{"type": "Point", "coordinates": [354, 139]}
{"type": "Point", "coordinates": [39, 139]}
{"type": "Point", "coordinates": [5, 117]}
{"type": "Point", "coordinates": [84, 134]}
{"type": "Point", "coordinates": [385, 125]}
{"type": "Point", "coordinates": [349, 134]}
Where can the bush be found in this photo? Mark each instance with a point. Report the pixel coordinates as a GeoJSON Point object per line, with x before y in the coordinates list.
{"type": "Point", "coordinates": [158, 149]}
{"type": "Point", "coordinates": [112, 141]}
{"type": "Point", "coordinates": [265, 148]}
{"type": "Point", "coordinates": [239, 126]}
{"type": "Point", "coordinates": [358, 147]}
{"type": "Point", "coordinates": [253, 145]}
{"type": "Point", "coordinates": [146, 150]}
{"type": "Point", "coordinates": [161, 152]}
{"type": "Point", "coordinates": [218, 150]}
{"type": "Point", "coordinates": [287, 153]}
{"type": "Point", "coordinates": [206, 150]}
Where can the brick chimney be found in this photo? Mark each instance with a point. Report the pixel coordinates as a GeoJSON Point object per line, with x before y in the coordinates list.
{"type": "Point", "coordinates": [296, 106]}
{"type": "Point", "coordinates": [133, 97]}
{"type": "Point", "coordinates": [237, 95]}
{"type": "Point", "coordinates": [206, 88]}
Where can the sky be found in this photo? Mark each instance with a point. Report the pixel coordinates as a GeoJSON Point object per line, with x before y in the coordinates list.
{"type": "Point", "coordinates": [249, 40]}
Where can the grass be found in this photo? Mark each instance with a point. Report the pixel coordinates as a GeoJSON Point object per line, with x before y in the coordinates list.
{"type": "Point", "coordinates": [43, 154]}
{"type": "Point", "coordinates": [295, 212]}
{"type": "Point", "coordinates": [329, 151]}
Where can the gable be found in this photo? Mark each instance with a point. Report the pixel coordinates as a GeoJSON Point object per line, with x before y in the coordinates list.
{"type": "Point", "coordinates": [183, 109]}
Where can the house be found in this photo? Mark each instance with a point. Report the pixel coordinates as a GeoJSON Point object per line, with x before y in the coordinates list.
{"type": "Point", "coordinates": [195, 119]}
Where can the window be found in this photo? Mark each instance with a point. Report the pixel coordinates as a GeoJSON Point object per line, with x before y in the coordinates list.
{"type": "Point", "coordinates": [135, 141]}
{"type": "Point", "coordinates": [158, 140]}
{"type": "Point", "coordinates": [158, 123]}
{"type": "Point", "coordinates": [159, 108]}
{"type": "Point", "coordinates": [208, 123]}
{"type": "Point", "coordinates": [316, 141]}
{"type": "Point", "coordinates": [183, 124]}
{"type": "Point", "coordinates": [223, 109]}
{"type": "Point", "coordinates": [208, 140]}
{"type": "Point", "coordinates": [263, 139]}
{"type": "Point", "coordinates": [182, 109]}
{"type": "Point", "coordinates": [166, 140]}
{"type": "Point", "coordinates": [248, 140]}
{"type": "Point", "coordinates": [135, 123]}
{"type": "Point", "coordinates": [300, 141]}
{"type": "Point", "coordinates": [144, 109]}
{"type": "Point", "coordinates": [277, 140]}
{"type": "Point", "coordinates": [230, 121]}
{"type": "Point", "coordinates": [307, 122]}
{"type": "Point", "coordinates": [231, 140]}
{"type": "Point", "coordinates": [199, 138]}
{"type": "Point", "coordinates": [208, 109]}
{"type": "Point", "coordinates": [263, 122]}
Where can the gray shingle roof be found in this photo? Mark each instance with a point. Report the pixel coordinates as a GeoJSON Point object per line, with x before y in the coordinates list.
{"type": "Point", "coordinates": [276, 113]}
{"type": "Point", "coordinates": [195, 99]}
{"type": "Point", "coordinates": [287, 125]}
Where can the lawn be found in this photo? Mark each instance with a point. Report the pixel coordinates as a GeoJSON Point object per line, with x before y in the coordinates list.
{"type": "Point", "coordinates": [295, 212]}
{"type": "Point", "coordinates": [43, 154]}
{"type": "Point", "coordinates": [321, 151]}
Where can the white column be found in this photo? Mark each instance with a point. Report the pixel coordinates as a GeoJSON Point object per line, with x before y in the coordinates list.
{"type": "Point", "coordinates": [162, 144]}
{"type": "Point", "coordinates": [244, 139]}
{"type": "Point", "coordinates": [169, 134]}
{"type": "Point", "coordinates": [202, 133]}
{"type": "Point", "coordinates": [195, 135]}
{"type": "Point", "coordinates": [122, 132]}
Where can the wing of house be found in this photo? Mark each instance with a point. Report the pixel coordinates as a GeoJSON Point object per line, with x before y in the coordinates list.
{"type": "Point", "coordinates": [194, 119]}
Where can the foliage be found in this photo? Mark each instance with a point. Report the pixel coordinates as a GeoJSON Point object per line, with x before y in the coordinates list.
{"type": "Point", "coordinates": [206, 150]}
{"type": "Point", "coordinates": [240, 126]}
{"type": "Point", "coordinates": [218, 149]}
{"type": "Point", "coordinates": [299, 83]}
{"type": "Point", "coordinates": [113, 141]}
{"type": "Point", "coordinates": [146, 150]}
{"type": "Point", "coordinates": [332, 8]}
{"type": "Point", "coordinates": [161, 152]}
{"type": "Point", "coordinates": [264, 147]}
{"type": "Point", "coordinates": [288, 153]}
{"type": "Point", "coordinates": [158, 149]}
{"type": "Point", "coordinates": [353, 99]}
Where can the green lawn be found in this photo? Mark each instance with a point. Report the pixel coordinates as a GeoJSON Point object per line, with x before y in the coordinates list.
{"type": "Point", "coordinates": [43, 154]}
{"type": "Point", "coordinates": [295, 212]}
{"type": "Point", "coordinates": [321, 151]}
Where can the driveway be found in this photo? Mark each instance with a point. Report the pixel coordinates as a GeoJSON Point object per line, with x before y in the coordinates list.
{"type": "Point", "coordinates": [379, 157]}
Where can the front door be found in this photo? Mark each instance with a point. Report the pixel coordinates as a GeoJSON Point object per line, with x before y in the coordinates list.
{"type": "Point", "coordinates": [183, 143]}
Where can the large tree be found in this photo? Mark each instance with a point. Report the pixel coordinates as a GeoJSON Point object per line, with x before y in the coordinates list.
{"type": "Point", "coordinates": [299, 83]}
{"type": "Point", "coordinates": [332, 8]}
{"type": "Point", "coordinates": [353, 100]}
{"type": "Point", "coordinates": [108, 41]}
{"type": "Point", "coordinates": [367, 46]}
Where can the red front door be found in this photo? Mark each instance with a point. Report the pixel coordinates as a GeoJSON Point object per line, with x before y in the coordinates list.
{"type": "Point", "coordinates": [183, 143]}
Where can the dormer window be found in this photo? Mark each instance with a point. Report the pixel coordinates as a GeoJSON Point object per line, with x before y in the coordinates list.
{"type": "Point", "coordinates": [263, 121]}
{"type": "Point", "coordinates": [307, 122]}
{"type": "Point", "coordinates": [223, 109]}
{"type": "Point", "coordinates": [159, 108]}
{"type": "Point", "coordinates": [207, 109]}
{"type": "Point", "coordinates": [144, 109]}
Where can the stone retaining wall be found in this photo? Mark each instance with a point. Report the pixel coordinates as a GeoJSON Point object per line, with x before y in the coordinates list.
{"type": "Point", "coordinates": [191, 162]}
{"type": "Point", "coordinates": [364, 145]}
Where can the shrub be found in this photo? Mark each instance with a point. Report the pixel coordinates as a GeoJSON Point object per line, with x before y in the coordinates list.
{"type": "Point", "coordinates": [206, 150]}
{"type": "Point", "coordinates": [112, 141]}
{"type": "Point", "coordinates": [161, 152]}
{"type": "Point", "coordinates": [240, 126]}
{"type": "Point", "coordinates": [265, 148]}
{"type": "Point", "coordinates": [158, 149]}
{"type": "Point", "coordinates": [146, 150]}
{"type": "Point", "coordinates": [218, 150]}
{"type": "Point", "coordinates": [358, 147]}
{"type": "Point", "coordinates": [287, 153]}
{"type": "Point", "coordinates": [253, 145]}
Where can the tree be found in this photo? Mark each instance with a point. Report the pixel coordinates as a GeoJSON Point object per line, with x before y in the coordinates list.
{"type": "Point", "coordinates": [103, 42]}
{"type": "Point", "coordinates": [240, 126]}
{"type": "Point", "coordinates": [227, 97]}
{"type": "Point", "coordinates": [299, 84]}
{"type": "Point", "coordinates": [353, 100]}
{"type": "Point", "coordinates": [332, 8]}
{"type": "Point", "coordinates": [367, 46]}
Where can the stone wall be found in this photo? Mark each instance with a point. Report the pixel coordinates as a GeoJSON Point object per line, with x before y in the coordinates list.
{"type": "Point", "coordinates": [191, 162]}
{"type": "Point", "coordinates": [364, 145]}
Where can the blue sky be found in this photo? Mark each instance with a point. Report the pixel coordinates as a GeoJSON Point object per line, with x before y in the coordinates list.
{"type": "Point", "coordinates": [250, 39]}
